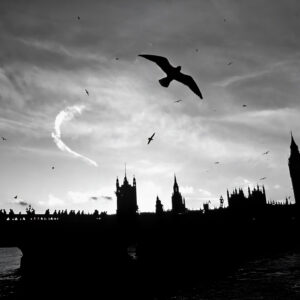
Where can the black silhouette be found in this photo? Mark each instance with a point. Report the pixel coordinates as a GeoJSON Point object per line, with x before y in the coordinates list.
{"type": "Point", "coordinates": [78, 18]}
{"type": "Point", "coordinates": [177, 101]}
{"type": "Point", "coordinates": [53, 168]}
{"type": "Point", "coordinates": [173, 73]}
{"type": "Point", "coordinates": [263, 178]}
{"type": "Point", "coordinates": [87, 92]}
{"type": "Point", "coordinates": [294, 166]}
{"type": "Point", "coordinates": [230, 63]}
{"type": "Point", "coordinates": [3, 138]}
{"type": "Point", "coordinates": [16, 197]}
{"type": "Point", "coordinates": [267, 152]}
{"type": "Point", "coordinates": [117, 58]}
{"type": "Point", "coordinates": [178, 202]}
{"type": "Point", "coordinates": [151, 138]}
{"type": "Point", "coordinates": [78, 252]}
{"type": "Point", "coordinates": [217, 162]}
{"type": "Point", "coordinates": [244, 105]}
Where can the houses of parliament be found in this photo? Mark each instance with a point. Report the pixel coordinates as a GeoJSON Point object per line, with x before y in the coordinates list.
{"type": "Point", "coordinates": [237, 200]}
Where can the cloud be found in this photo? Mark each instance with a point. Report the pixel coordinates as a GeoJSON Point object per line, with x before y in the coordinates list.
{"type": "Point", "coordinates": [52, 201]}
{"type": "Point", "coordinates": [186, 190]}
{"type": "Point", "coordinates": [63, 116]}
{"type": "Point", "coordinates": [84, 197]}
{"type": "Point", "coordinates": [21, 202]}
{"type": "Point", "coordinates": [107, 197]}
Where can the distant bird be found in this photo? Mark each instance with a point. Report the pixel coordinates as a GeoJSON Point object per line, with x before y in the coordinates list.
{"type": "Point", "coordinates": [230, 63]}
{"type": "Point", "coordinates": [217, 162]}
{"type": "Point", "coordinates": [173, 73]}
{"type": "Point", "coordinates": [3, 138]}
{"type": "Point", "coordinates": [53, 168]}
{"type": "Point", "coordinates": [117, 58]}
{"type": "Point", "coordinates": [197, 50]}
{"type": "Point", "coordinates": [150, 138]}
{"type": "Point", "coordinates": [263, 178]}
{"type": "Point", "coordinates": [78, 18]}
{"type": "Point", "coordinates": [267, 152]}
{"type": "Point", "coordinates": [177, 101]}
{"type": "Point", "coordinates": [87, 92]}
{"type": "Point", "coordinates": [244, 105]}
{"type": "Point", "coordinates": [16, 197]}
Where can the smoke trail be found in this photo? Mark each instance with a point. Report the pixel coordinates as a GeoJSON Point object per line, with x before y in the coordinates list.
{"type": "Point", "coordinates": [63, 116]}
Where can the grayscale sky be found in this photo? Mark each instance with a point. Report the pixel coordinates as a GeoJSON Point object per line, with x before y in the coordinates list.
{"type": "Point", "coordinates": [239, 52]}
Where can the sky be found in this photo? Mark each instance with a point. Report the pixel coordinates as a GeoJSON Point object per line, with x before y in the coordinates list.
{"type": "Point", "coordinates": [239, 52]}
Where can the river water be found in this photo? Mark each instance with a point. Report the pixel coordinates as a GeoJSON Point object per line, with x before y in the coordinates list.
{"type": "Point", "coordinates": [266, 278]}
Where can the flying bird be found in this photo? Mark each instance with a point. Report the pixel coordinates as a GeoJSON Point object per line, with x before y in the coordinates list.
{"type": "Point", "coordinates": [3, 138]}
{"type": "Point", "coordinates": [177, 101]}
{"type": "Point", "coordinates": [230, 63]}
{"type": "Point", "coordinates": [217, 162]}
{"type": "Point", "coordinates": [244, 105]}
{"type": "Point", "coordinates": [267, 152]}
{"type": "Point", "coordinates": [150, 138]}
{"type": "Point", "coordinates": [263, 178]}
{"type": "Point", "coordinates": [117, 58]}
{"type": "Point", "coordinates": [173, 73]}
{"type": "Point", "coordinates": [87, 92]}
{"type": "Point", "coordinates": [16, 197]}
{"type": "Point", "coordinates": [53, 168]}
{"type": "Point", "coordinates": [78, 18]}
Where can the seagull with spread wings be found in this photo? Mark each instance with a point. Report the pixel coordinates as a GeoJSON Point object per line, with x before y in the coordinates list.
{"type": "Point", "coordinates": [150, 138]}
{"type": "Point", "coordinates": [173, 73]}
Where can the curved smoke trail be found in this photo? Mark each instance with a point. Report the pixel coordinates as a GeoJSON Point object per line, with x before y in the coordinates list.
{"type": "Point", "coordinates": [66, 115]}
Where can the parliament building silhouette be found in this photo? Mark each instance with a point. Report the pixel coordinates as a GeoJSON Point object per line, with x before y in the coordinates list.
{"type": "Point", "coordinates": [255, 201]}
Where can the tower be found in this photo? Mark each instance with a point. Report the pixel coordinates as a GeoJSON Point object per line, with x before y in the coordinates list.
{"type": "Point", "coordinates": [159, 209]}
{"type": "Point", "coordinates": [126, 198]}
{"type": "Point", "coordinates": [178, 203]}
{"type": "Point", "coordinates": [294, 166]}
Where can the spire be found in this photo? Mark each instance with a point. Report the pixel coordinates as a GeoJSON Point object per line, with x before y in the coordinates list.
{"type": "Point", "coordinates": [134, 181]}
{"type": "Point", "coordinates": [294, 147]}
{"type": "Point", "coordinates": [175, 186]}
{"type": "Point", "coordinates": [117, 183]}
{"type": "Point", "coordinates": [125, 177]}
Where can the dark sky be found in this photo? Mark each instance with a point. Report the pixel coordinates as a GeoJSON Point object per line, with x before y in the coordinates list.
{"type": "Point", "coordinates": [239, 52]}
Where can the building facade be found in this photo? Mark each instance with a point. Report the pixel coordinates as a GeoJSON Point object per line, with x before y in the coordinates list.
{"type": "Point", "coordinates": [294, 166]}
{"type": "Point", "coordinates": [126, 198]}
{"type": "Point", "coordinates": [178, 202]}
{"type": "Point", "coordinates": [256, 199]}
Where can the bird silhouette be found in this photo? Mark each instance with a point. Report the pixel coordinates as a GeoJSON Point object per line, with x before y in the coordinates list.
{"type": "Point", "coordinates": [267, 152]}
{"type": "Point", "coordinates": [244, 105]}
{"type": "Point", "coordinates": [173, 73]}
{"type": "Point", "coordinates": [53, 168]}
{"type": "Point", "coordinates": [230, 63]}
{"type": "Point", "coordinates": [78, 18]}
{"type": "Point", "coordinates": [150, 138]}
{"type": "Point", "coordinates": [3, 138]}
{"type": "Point", "coordinates": [177, 101]}
{"type": "Point", "coordinates": [16, 197]}
{"type": "Point", "coordinates": [217, 162]}
{"type": "Point", "coordinates": [263, 178]}
{"type": "Point", "coordinates": [87, 92]}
